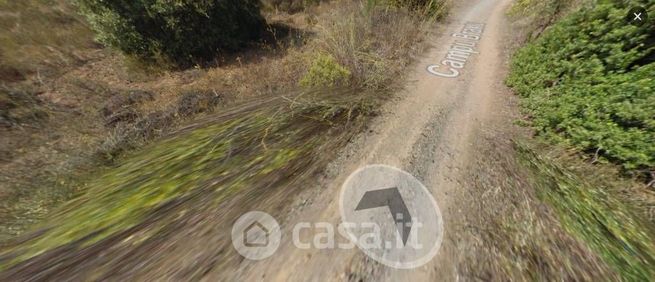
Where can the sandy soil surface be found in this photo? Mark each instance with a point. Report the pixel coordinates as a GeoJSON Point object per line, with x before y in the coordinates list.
{"type": "Point", "coordinates": [453, 134]}
{"type": "Point", "coordinates": [429, 131]}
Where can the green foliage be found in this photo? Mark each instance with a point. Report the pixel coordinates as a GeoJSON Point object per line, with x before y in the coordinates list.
{"type": "Point", "coordinates": [181, 31]}
{"type": "Point", "coordinates": [254, 148]}
{"type": "Point", "coordinates": [325, 72]}
{"type": "Point", "coordinates": [588, 82]}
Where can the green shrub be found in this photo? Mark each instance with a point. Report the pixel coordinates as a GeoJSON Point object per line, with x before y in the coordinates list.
{"type": "Point", "coordinates": [325, 72]}
{"type": "Point", "coordinates": [181, 31]}
{"type": "Point", "coordinates": [588, 82]}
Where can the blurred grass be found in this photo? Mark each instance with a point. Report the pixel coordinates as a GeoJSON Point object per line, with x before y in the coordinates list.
{"type": "Point", "coordinates": [254, 145]}
{"type": "Point", "coordinates": [223, 153]}
{"type": "Point", "coordinates": [598, 205]}
{"type": "Point", "coordinates": [40, 37]}
{"type": "Point", "coordinates": [595, 214]}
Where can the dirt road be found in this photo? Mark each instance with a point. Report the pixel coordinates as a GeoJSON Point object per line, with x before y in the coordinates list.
{"type": "Point", "coordinates": [453, 101]}
{"type": "Point", "coordinates": [429, 131]}
{"type": "Point", "coordinates": [450, 127]}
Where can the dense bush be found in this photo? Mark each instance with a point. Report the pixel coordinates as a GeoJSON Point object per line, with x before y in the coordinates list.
{"type": "Point", "coordinates": [589, 81]}
{"type": "Point", "coordinates": [325, 72]}
{"type": "Point", "coordinates": [181, 31]}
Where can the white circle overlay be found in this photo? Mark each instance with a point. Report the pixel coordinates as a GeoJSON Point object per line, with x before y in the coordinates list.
{"type": "Point", "coordinates": [426, 233]}
{"type": "Point", "coordinates": [256, 235]}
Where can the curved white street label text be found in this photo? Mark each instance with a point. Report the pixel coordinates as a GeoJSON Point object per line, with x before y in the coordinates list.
{"type": "Point", "coordinates": [460, 51]}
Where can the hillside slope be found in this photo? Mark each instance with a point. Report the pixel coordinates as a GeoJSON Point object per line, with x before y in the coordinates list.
{"type": "Point", "coordinates": [587, 88]}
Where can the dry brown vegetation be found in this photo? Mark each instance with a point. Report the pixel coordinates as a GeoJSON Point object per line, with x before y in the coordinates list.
{"type": "Point", "coordinates": [533, 17]}
{"type": "Point", "coordinates": [254, 141]}
{"type": "Point", "coordinates": [70, 107]}
{"type": "Point", "coordinates": [520, 236]}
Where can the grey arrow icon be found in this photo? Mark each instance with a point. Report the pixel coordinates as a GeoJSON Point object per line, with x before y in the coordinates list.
{"type": "Point", "coordinates": [391, 198]}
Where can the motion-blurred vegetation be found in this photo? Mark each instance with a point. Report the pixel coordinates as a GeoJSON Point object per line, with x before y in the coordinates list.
{"type": "Point", "coordinates": [591, 209]}
{"type": "Point", "coordinates": [260, 145]}
{"type": "Point", "coordinates": [221, 155]}
{"type": "Point", "coordinates": [588, 82]}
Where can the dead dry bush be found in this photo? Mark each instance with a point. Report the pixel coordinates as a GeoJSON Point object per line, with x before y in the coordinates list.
{"type": "Point", "coordinates": [375, 44]}
{"type": "Point", "coordinates": [370, 44]}
{"type": "Point", "coordinates": [131, 135]}
{"type": "Point", "coordinates": [94, 125]}
{"type": "Point", "coordinates": [192, 103]}
{"type": "Point", "coordinates": [130, 129]}
{"type": "Point", "coordinates": [121, 107]}
{"type": "Point", "coordinates": [18, 107]}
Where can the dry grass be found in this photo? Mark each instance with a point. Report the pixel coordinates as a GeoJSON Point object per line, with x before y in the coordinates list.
{"type": "Point", "coordinates": [612, 213]}
{"type": "Point", "coordinates": [625, 188]}
{"type": "Point", "coordinates": [374, 43]}
{"type": "Point", "coordinates": [597, 206]}
{"type": "Point", "coordinates": [40, 39]}
{"type": "Point", "coordinates": [518, 236]}
{"type": "Point", "coordinates": [260, 144]}
{"type": "Point", "coordinates": [533, 17]}
{"type": "Point", "coordinates": [82, 81]}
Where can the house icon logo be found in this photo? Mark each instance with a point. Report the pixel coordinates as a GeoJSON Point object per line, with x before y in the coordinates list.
{"type": "Point", "coordinates": [256, 235]}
